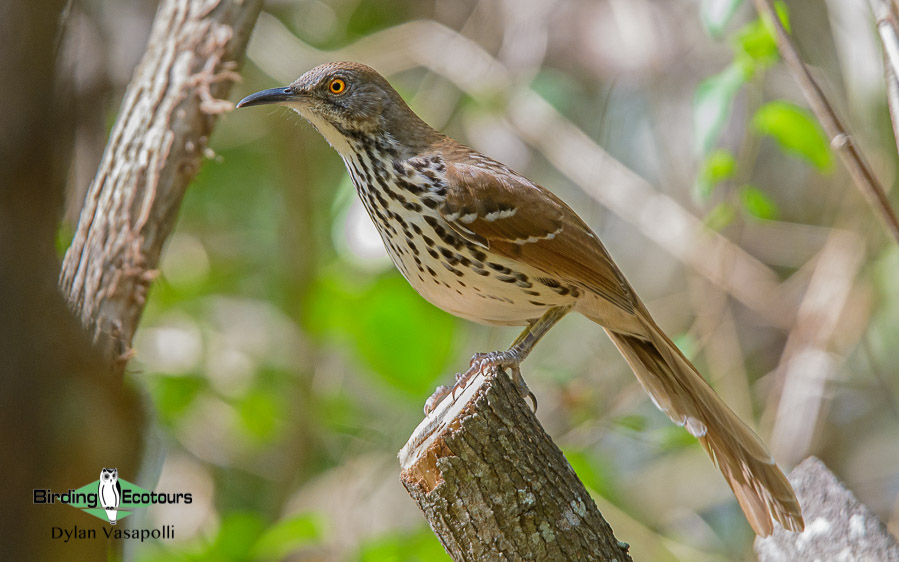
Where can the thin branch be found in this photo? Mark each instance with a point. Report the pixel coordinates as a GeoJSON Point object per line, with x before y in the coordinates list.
{"type": "Point", "coordinates": [887, 25]}
{"type": "Point", "coordinates": [840, 139]}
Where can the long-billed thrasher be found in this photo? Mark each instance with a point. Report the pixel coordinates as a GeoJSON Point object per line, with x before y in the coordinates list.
{"type": "Point", "coordinates": [485, 243]}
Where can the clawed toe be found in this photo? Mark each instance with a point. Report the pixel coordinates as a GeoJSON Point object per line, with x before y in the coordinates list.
{"type": "Point", "coordinates": [439, 394]}
{"type": "Point", "coordinates": [480, 363]}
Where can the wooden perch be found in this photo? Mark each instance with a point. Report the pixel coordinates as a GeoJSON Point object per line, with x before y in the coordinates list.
{"type": "Point", "coordinates": [493, 485]}
{"type": "Point", "coordinates": [837, 526]}
{"type": "Point", "coordinates": [154, 151]}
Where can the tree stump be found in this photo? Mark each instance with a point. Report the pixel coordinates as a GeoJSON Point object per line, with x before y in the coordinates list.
{"type": "Point", "coordinates": [494, 486]}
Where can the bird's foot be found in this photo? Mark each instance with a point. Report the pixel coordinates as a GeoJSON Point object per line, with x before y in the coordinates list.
{"type": "Point", "coordinates": [482, 363]}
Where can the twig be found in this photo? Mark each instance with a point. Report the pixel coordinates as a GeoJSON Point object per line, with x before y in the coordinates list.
{"type": "Point", "coordinates": [840, 140]}
{"type": "Point", "coordinates": [887, 25]}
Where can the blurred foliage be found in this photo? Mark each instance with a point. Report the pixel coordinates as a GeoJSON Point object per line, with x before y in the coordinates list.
{"type": "Point", "coordinates": [794, 129]}
{"type": "Point", "coordinates": [287, 360]}
{"type": "Point", "coordinates": [796, 132]}
{"type": "Point", "coordinates": [382, 320]}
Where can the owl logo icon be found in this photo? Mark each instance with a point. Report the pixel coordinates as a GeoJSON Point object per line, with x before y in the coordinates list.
{"type": "Point", "coordinates": [110, 492]}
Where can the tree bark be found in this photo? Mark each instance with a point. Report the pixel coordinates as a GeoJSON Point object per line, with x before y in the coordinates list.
{"type": "Point", "coordinates": [837, 525]}
{"type": "Point", "coordinates": [494, 486]}
{"type": "Point", "coordinates": [64, 415]}
{"type": "Point", "coordinates": [154, 151]}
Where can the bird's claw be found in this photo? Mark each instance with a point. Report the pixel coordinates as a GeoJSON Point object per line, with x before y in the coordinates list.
{"type": "Point", "coordinates": [480, 363]}
{"type": "Point", "coordinates": [439, 394]}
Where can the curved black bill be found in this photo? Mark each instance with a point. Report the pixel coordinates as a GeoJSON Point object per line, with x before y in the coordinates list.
{"type": "Point", "coordinates": [273, 95]}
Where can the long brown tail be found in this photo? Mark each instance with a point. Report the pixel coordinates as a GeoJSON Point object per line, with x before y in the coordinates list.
{"type": "Point", "coordinates": [679, 390]}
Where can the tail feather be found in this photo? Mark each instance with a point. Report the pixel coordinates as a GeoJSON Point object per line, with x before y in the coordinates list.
{"type": "Point", "coordinates": [679, 390]}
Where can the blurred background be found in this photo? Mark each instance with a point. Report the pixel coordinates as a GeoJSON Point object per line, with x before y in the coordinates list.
{"type": "Point", "coordinates": [285, 361]}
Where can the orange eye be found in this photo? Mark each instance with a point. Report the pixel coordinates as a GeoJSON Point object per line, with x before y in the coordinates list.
{"type": "Point", "coordinates": [337, 86]}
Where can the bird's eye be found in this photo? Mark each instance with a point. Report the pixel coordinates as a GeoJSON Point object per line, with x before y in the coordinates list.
{"type": "Point", "coordinates": [337, 86]}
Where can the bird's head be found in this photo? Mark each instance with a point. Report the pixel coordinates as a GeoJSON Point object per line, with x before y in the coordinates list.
{"type": "Point", "coordinates": [344, 100]}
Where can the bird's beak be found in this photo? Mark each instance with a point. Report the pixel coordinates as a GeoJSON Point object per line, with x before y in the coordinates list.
{"type": "Point", "coordinates": [273, 95]}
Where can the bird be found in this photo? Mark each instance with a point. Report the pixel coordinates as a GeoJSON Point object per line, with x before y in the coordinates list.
{"type": "Point", "coordinates": [485, 243]}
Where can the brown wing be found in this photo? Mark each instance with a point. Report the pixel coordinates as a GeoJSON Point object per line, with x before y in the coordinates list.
{"type": "Point", "coordinates": [488, 204]}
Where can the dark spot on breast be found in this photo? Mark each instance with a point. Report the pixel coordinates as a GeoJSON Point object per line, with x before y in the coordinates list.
{"type": "Point", "coordinates": [450, 256]}
{"type": "Point", "coordinates": [455, 271]}
{"type": "Point", "coordinates": [408, 186]}
{"type": "Point", "coordinates": [476, 254]}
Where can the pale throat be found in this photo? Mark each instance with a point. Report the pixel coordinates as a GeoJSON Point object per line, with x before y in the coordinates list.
{"type": "Point", "coordinates": [334, 137]}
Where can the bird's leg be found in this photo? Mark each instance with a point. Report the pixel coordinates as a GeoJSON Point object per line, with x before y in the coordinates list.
{"type": "Point", "coordinates": [509, 359]}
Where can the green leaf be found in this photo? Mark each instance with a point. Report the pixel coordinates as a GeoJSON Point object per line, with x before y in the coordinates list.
{"type": "Point", "coordinates": [754, 46]}
{"type": "Point", "coordinates": [718, 166]}
{"type": "Point", "coordinates": [757, 203]}
{"type": "Point", "coordinates": [720, 216]}
{"type": "Point", "coordinates": [287, 536]}
{"type": "Point", "coordinates": [796, 132]}
{"type": "Point", "coordinates": [712, 104]}
{"type": "Point", "coordinates": [716, 14]}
